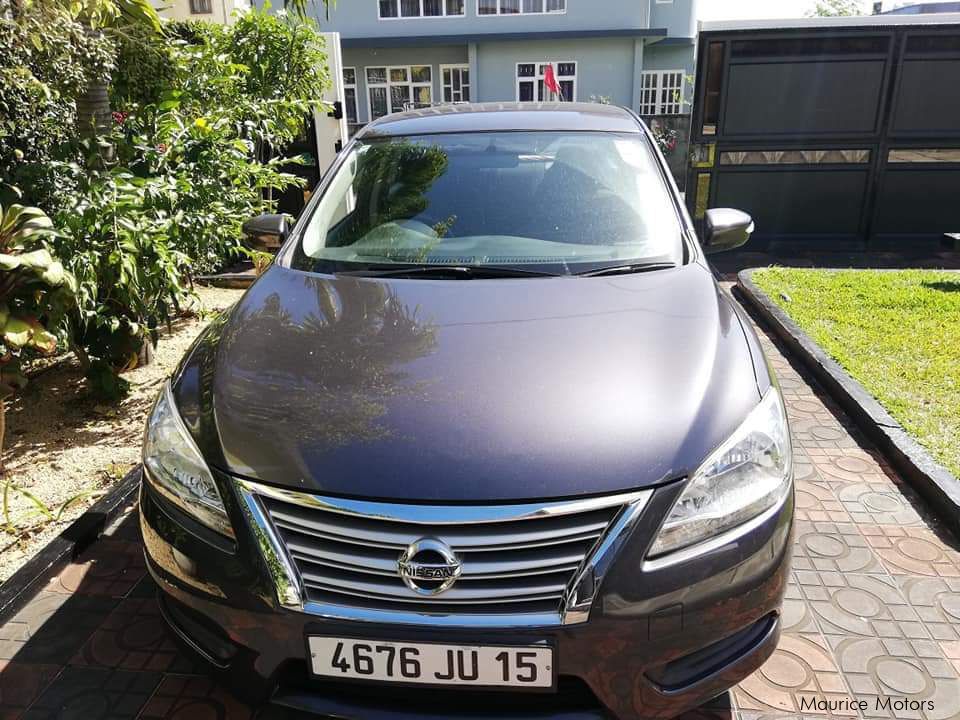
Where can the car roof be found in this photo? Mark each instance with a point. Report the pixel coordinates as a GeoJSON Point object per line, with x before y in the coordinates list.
{"type": "Point", "coordinates": [507, 116]}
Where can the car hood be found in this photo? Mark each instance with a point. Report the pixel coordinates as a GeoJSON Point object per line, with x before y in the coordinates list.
{"type": "Point", "coordinates": [469, 390]}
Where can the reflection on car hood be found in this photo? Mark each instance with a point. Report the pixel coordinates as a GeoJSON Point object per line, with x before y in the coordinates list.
{"type": "Point", "coordinates": [484, 390]}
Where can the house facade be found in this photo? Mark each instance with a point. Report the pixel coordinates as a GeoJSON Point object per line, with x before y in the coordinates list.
{"type": "Point", "coordinates": [219, 11]}
{"type": "Point", "coordinates": [415, 53]}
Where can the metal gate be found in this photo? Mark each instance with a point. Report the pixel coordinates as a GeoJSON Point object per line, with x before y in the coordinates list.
{"type": "Point", "coordinates": [831, 133]}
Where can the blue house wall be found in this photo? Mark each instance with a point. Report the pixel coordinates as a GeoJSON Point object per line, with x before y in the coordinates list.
{"type": "Point", "coordinates": [610, 43]}
{"type": "Point", "coordinates": [360, 19]}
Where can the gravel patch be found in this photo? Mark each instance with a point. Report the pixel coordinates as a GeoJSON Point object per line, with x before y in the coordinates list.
{"type": "Point", "coordinates": [64, 448]}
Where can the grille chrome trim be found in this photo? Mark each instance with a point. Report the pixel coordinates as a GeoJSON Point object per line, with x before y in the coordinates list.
{"type": "Point", "coordinates": [303, 542]}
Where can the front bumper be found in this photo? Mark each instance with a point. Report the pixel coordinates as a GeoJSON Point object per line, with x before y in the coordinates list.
{"type": "Point", "coordinates": [662, 637]}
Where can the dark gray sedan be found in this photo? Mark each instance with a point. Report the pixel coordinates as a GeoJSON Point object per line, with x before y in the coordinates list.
{"type": "Point", "coordinates": [487, 440]}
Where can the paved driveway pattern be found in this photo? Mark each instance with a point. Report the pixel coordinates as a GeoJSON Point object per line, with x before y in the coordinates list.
{"type": "Point", "coordinates": [873, 609]}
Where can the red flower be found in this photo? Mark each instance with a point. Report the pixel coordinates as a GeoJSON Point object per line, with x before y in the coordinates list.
{"type": "Point", "coordinates": [119, 117]}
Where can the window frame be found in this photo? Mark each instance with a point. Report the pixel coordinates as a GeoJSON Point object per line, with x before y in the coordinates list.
{"type": "Point", "coordinates": [348, 86]}
{"type": "Point", "coordinates": [388, 84]}
{"type": "Point", "coordinates": [521, 13]}
{"type": "Point", "coordinates": [443, 85]}
{"type": "Point", "coordinates": [421, 16]}
{"type": "Point", "coordinates": [201, 7]}
{"type": "Point", "coordinates": [537, 77]}
{"type": "Point", "coordinates": [658, 103]}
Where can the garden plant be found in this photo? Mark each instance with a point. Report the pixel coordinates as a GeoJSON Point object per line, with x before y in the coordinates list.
{"type": "Point", "coordinates": [111, 203]}
{"type": "Point", "coordinates": [35, 294]}
{"type": "Point", "coordinates": [199, 112]}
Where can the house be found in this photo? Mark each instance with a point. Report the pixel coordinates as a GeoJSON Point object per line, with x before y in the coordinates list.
{"type": "Point", "coordinates": [220, 11]}
{"type": "Point", "coordinates": [922, 8]}
{"type": "Point", "coordinates": [415, 53]}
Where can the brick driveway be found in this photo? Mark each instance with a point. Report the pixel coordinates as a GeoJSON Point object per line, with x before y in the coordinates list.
{"type": "Point", "coordinates": [873, 609]}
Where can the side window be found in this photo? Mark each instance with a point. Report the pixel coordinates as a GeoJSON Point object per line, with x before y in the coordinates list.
{"type": "Point", "coordinates": [532, 86]}
{"type": "Point", "coordinates": [392, 9]}
{"type": "Point", "coordinates": [350, 94]}
{"type": "Point", "coordinates": [456, 83]}
{"type": "Point", "coordinates": [520, 7]}
{"type": "Point", "coordinates": [661, 92]}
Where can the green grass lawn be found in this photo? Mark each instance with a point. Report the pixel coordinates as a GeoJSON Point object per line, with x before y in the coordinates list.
{"type": "Point", "coordinates": [898, 333]}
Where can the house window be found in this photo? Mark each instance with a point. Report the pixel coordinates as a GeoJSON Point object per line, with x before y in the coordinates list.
{"type": "Point", "coordinates": [393, 89]}
{"type": "Point", "coordinates": [456, 83]}
{"type": "Point", "coordinates": [661, 92]}
{"type": "Point", "coordinates": [350, 94]}
{"type": "Point", "coordinates": [392, 9]}
{"type": "Point", "coordinates": [201, 7]}
{"type": "Point", "coordinates": [521, 7]}
{"type": "Point", "coordinates": [530, 87]}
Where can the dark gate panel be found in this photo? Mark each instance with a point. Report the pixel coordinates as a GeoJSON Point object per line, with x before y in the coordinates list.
{"type": "Point", "coordinates": [803, 97]}
{"type": "Point", "coordinates": [805, 202]}
{"type": "Point", "coordinates": [830, 135]}
{"type": "Point", "coordinates": [918, 200]}
{"type": "Point", "coordinates": [929, 100]}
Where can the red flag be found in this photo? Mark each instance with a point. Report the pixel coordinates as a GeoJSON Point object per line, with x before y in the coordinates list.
{"type": "Point", "coordinates": [550, 81]}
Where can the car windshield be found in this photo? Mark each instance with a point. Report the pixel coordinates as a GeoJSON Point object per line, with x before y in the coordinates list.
{"type": "Point", "coordinates": [563, 202]}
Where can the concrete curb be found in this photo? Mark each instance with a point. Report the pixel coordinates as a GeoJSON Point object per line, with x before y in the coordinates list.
{"type": "Point", "coordinates": [81, 533]}
{"type": "Point", "coordinates": [932, 481]}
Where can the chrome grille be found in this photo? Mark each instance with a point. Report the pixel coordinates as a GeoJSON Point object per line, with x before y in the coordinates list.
{"type": "Point", "coordinates": [515, 558]}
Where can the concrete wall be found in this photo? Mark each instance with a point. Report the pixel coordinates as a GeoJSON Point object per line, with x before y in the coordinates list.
{"type": "Point", "coordinates": [359, 18]}
{"type": "Point", "coordinates": [679, 17]}
{"type": "Point", "coordinates": [434, 55]}
{"type": "Point", "coordinates": [604, 66]}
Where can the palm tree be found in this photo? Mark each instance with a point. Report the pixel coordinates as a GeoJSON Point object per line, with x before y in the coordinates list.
{"type": "Point", "coordinates": [108, 17]}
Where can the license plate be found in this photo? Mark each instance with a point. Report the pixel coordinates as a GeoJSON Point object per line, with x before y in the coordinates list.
{"type": "Point", "coordinates": [433, 663]}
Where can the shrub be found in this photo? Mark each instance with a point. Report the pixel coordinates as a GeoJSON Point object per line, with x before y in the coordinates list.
{"type": "Point", "coordinates": [35, 292]}
{"type": "Point", "coordinates": [129, 277]}
{"type": "Point", "coordinates": [198, 114]}
{"type": "Point", "coordinates": [189, 171]}
{"type": "Point", "coordinates": [144, 68]}
{"type": "Point", "coordinates": [236, 92]}
{"type": "Point", "coordinates": [47, 59]}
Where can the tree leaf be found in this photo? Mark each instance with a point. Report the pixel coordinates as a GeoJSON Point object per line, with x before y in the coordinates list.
{"type": "Point", "coordinates": [43, 340]}
{"type": "Point", "coordinates": [54, 275]}
{"type": "Point", "coordinates": [38, 259]}
{"type": "Point", "coordinates": [17, 332]}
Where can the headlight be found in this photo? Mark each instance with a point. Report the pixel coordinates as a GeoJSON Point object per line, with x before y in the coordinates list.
{"type": "Point", "coordinates": [176, 469]}
{"type": "Point", "coordinates": [746, 475]}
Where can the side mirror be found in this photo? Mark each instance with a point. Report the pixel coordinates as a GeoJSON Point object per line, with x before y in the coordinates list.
{"type": "Point", "coordinates": [268, 230]}
{"type": "Point", "coordinates": [726, 229]}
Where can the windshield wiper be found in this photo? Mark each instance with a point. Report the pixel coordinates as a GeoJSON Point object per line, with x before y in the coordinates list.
{"type": "Point", "coordinates": [625, 269]}
{"type": "Point", "coordinates": [460, 272]}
